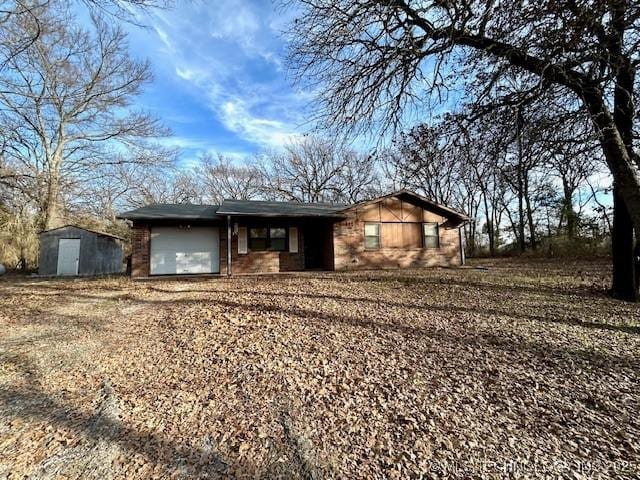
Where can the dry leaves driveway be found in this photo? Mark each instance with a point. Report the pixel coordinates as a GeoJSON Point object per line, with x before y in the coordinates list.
{"type": "Point", "coordinates": [518, 370]}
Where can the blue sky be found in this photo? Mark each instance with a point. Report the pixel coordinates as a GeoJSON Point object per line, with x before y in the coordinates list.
{"type": "Point", "coordinates": [220, 81]}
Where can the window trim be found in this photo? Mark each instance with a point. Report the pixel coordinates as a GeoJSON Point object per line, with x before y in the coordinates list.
{"type": "Point", "coordinates": [424, 235]}
{"type": "Point", "coordinates": [267, 239]}
{"type": "Point", "coordinates": [379, 236]}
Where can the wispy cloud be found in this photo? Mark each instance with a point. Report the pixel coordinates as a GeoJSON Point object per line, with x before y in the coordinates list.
{"type": "Point", "coordinates": [222, 62]}
{"type": "Point", "coordinates": [262, 131]}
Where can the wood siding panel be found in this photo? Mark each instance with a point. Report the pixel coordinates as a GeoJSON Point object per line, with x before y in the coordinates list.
{"type": "Point", "coordinates": [432, 217]}
{"type": "Point", "coordinates": [412, 235]}
{"type": "Point", "coordinates": [400, 235]}
{"type": "Point", "coordinates": [391, 210]}
{"type": "Point", "coordinates": [369, 213]}
{"type": "Point", "coordinates": [391, 235]}
{"type": "Point", "coordinates": [411, 213]}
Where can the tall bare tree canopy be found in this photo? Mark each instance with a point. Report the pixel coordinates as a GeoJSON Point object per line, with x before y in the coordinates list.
{"type": "Point", "coordinates": [65, 102]}
{"type": "Point", "coordinates": [220, 178]}
{"type": "Point", "coordinates": [314, 169]}
{"type": "Point", "coordinates": [22, 13]}
{"type": "Point", "coordinates": [378, 64]}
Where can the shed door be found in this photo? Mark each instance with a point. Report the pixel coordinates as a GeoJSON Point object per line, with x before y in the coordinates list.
{"type": "Point", "coordinates": [183, 251]}
{"type": "Point", "coordinates": [68, 256]}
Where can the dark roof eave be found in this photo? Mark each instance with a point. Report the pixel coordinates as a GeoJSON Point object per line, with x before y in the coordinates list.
{"type": "Point", "coordinates": [283, 215]}
{"type": "Point", "coordinates": [182, 218]}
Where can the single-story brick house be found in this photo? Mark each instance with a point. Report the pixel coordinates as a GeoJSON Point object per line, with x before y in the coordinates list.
{"type": "Point", "coordinates": [399, 230]}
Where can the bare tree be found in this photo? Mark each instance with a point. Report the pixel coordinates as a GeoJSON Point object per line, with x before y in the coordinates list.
{"type": "Point", "coordinates": [313, 169]}
{"type": "Point", "coordinates": [307, 170]}
{"type": "Point", "coordinates": [66, 103]}
{"type": "Point", "coordinates": [482, 157]}
{"type": "Point", "coordinates": [371, 60]}
{"type": "Point", "coordinates": [111, 187]}
{"type": "Point", "coordinates": [29, 14]}
{"type": "Point", "coordinates": [573, 162]}
{"type": "Point", "coordinates": [161, 185]}
{"type": "Point", "coordinates": [359, 178]}
{"type": "Point", "coordinates": [13, 39]}
{"type": "Point", "coordinates": [220, 178]}
{"type": "Point", "coordinates": [428, 161]}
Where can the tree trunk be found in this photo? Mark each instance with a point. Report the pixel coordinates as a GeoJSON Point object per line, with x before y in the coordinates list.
{"type": "Point", "coordinates": [470, 233]}
{"type": "Point", "coordinates": [487, 216]}
{"type": "Point", "coordinates": [53, 215]}
{"type": "Point", "coordinates": [53, 210]}
{"type": "Point", "coordinates": [514, 226]}
{"type": "Point", "coordinates": [532, 226]}
{"type": "Point", "coordinates": [624, 251]}
{"type": "Point", "coordinates": [627, 184]}
{"type": "Point", "coordinates": [572, 221]}
{"type": "Point", "coordinates": [520, 180]}
{"type": "Point", "coordinates": [521, 221]}
{"type": "Point", "coordinates": [625, 284]}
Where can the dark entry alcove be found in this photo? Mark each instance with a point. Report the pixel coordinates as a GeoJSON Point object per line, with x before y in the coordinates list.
{"type": "Point", "coordinates": [318, 245]}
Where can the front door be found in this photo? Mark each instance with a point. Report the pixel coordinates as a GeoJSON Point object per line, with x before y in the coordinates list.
{"type": "Point", "coordinates": [68, 256]}
{"type": "Point", "coordinates": [314, 240]}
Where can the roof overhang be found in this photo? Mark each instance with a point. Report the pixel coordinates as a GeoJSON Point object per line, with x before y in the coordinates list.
{"type": "Point", "coordinates": [173, 212]}
{"type": "Point", "coordinates": [257, 208]}
{"type": "Point", "coordinates": [267, 209]}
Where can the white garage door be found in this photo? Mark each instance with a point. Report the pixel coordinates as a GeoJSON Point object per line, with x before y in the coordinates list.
{"type": "Point", "coordinates": [184, 250]}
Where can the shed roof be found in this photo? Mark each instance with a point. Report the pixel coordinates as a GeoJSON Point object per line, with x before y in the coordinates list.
{"type": "Point", "coordinates": [280, 209]}
{"type": "Point", "coordinates": [97, 232]}
{"type": "Point", "coordinates": [172, 211]}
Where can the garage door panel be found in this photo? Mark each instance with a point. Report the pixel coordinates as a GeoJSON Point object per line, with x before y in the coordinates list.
{"type": "Point", "coordinates": [184, 251]}
{"type": "Point", "coordinates": [163, 263]}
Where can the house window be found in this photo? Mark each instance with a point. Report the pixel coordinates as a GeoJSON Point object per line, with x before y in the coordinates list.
{"type": "Point", "coordinates": [261, 239]}
{"type": "Point", "coordinates": [372, 236]}
{"type": "Point", "coordinates": [430, 235]}
{"type": "Point", "coordinates": [258, 239]}
{"type": "Point", "coordinates": [278, 239]}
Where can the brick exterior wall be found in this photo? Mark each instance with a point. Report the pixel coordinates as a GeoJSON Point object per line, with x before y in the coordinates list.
{"type": "Point", "coordinates": [349, 246]}
{"type": "Point", "coordinates": [251, 262]}
{"type": "Point", "coordinates": [263, 262]}
{"type": "Point", "coordinates": [140, 250]}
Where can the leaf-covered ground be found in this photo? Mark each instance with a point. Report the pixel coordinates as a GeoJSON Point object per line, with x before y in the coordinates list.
{"type": "Point", "coordinates": [514, 369]}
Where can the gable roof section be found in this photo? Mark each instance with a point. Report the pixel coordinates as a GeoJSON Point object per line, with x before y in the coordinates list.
{"type": "Point", "coordinates": [171, 211]}
{"type": "Point", "coordinates": [280, 209]}
{"type": "Point", "coordinates": [418, 199]}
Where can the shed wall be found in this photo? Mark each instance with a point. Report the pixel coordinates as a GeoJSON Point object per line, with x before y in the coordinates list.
{"type": "Point", "coordinates": [99, 254]}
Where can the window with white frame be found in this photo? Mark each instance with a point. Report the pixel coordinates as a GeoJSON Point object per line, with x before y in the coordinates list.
{"type": "Point", "coordinates": [430, 235]}
{"type": "Point", "coordinates": [372, 236]}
